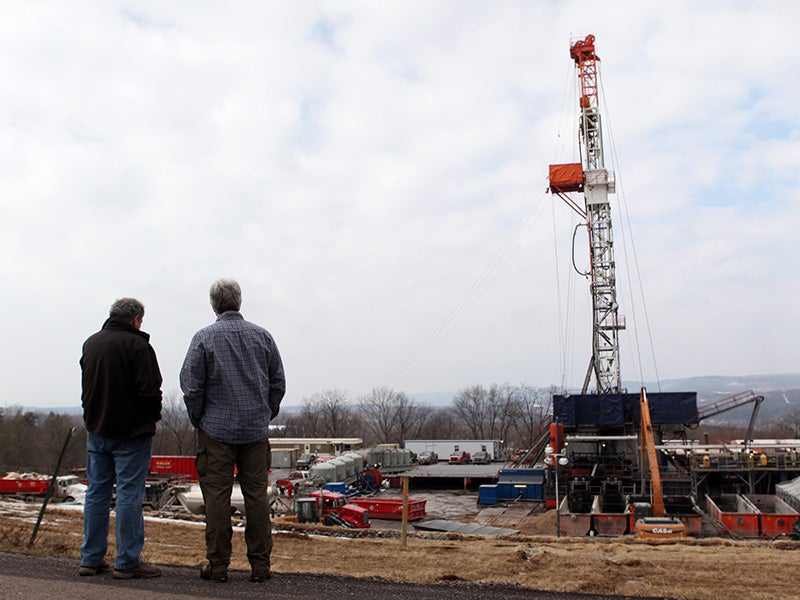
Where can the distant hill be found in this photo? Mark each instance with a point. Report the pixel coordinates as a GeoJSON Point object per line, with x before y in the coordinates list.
{"type": "Point", "coordinates": [781, 392]}
{"type": "Point", "coordinates": [435, 399]}
{"type": "Point", "coordinates": [727, 385]}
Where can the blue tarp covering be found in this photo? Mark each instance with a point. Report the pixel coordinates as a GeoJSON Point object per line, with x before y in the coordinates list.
{"type": "Point", "coordinates": [674, 408]}
{"type": "Point", "coordinates": [521, 475]}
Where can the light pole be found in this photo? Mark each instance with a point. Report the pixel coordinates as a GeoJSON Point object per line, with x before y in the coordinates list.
{"type": "Point", "coordinates": [556, 459]}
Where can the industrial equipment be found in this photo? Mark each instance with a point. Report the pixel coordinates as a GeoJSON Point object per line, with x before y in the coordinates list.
{"type": "Point", "coordinates": [735, 402]}
{"type": "Point", "coordinates": [335, 510]}
{"type": "Point", "coordinates": [659, 525]}
{"type": "Point", "coordinates": [606, 479]}
{"type": "Point", "coordinates": [591, 177]}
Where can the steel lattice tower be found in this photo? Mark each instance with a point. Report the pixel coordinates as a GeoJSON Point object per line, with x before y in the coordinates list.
{"type": "Point", "coordinates": [591, 177]}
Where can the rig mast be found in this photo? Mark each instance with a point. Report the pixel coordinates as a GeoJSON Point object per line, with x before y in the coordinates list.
{"type": "Point", "coordinates": [592, 179]}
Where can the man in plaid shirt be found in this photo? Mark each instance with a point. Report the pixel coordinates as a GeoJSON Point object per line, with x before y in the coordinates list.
{"type": "Point", "coordinates": [233, 383]}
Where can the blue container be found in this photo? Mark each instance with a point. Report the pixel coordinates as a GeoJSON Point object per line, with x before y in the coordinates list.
{"type": "Point", "coordinates": [505, 491]}
{"type": "Point", "coordinates": [512, 492]}
{"type": "Point", "coordinates": [487, 494]}
{"type": "Point", "coordinates": [337, 486]}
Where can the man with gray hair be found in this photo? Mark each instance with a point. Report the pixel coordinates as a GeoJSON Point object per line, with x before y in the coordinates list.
{"type": "Point", "coordinates": [233, 383]}
{"type": "Point", "coordinates": [121, 400]}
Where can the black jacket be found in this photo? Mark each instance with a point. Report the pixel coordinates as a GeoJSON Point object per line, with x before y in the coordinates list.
{"type": "Point", "coordinates": [121, 382]}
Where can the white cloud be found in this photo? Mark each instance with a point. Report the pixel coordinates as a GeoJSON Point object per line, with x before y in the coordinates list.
{"type": "Point", "coordinates": [372, 172]}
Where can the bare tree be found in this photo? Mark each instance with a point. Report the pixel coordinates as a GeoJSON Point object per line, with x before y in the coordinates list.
{"type": "Point", "coordinates": [504, 406]}
{"type": "Point", "coordinates": [442, 424]}
{"type": "Point", "coordinates": [300, 424]}
{"type": "Point", "coordinates": [20, 440]}
{"type": "Point", "coordinates": [409, 417]}
{"type": "Point", "coordinates": [330, 412]}
{"type": "Point", "coordinates": [391, 416]}
{"type": "Point", "coordinates": [789, 423]}
{"type": "Point", "coordinates": [175, 432]}
{"type": "Point", "coordinates": [310, 422]}
{"type": "Point", "coordinates": [32, 441]}
{"type": "Point", "coordinates": [53, 434]}
{"type": "Point", "coordinates": [514, 414]}
{"type": "Point", "coordinates": [378, 408]}
{"type": "Point", "coordinates": [470, 405]}
{"type": "Point", "coordinates": [533, 410]}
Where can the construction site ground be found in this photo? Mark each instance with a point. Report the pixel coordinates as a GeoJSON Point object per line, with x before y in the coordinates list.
{"type": "Point", "coordinates": [706, 568]}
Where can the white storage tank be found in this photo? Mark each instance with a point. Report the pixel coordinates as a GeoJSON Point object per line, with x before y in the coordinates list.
{"type": "Point", "coordinates": [349, 465]}
{"type": "Point", "coordinates": [406, 457]}
{"type": "Point", "coordinates": [375, 457]}
{"type": "Point", "coordinates": [357, 459]}
{"type": "Point", "coordinates": [325, 471]}
{"type": "Point", "coordinates": [341, 472]}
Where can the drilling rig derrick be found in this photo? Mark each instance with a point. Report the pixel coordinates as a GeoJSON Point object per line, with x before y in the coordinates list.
{"type": "Point", "coordinates": [591, 178]}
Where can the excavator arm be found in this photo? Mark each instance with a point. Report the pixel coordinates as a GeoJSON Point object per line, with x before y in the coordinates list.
{"type": "Point", "coordinates": [659, 526]}
{"type": "Point", "coordinates": [649, 449]}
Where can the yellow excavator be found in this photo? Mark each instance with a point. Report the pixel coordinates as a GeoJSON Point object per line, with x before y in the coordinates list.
{"type": "Point", "coordinates": [659, 526]}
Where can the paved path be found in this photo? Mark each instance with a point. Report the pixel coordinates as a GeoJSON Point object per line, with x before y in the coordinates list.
{"type": "Point", "coordinates": [25, 577]}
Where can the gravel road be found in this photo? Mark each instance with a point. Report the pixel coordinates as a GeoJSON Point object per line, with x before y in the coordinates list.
{"type": "Point", "coordinates": [24, 577]}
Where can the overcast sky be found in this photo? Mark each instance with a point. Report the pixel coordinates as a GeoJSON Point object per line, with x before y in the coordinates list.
{"type": "Point", "coordinates": [374, 175]}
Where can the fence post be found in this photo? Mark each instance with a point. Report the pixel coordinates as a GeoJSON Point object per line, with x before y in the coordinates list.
{"type": "Point", "coordinates": [52, 487]}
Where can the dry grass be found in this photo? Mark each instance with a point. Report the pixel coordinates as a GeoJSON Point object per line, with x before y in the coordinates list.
{"type": "Point", "coordinates": [704, 569]}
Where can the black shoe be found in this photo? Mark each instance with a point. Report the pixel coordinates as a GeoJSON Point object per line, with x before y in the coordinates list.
{"type": "Point", "coordinates": [85, 571]}
{"type": "Point", "coordinates": [259, 577]}
{"type": "Point", "coordinates": [209, 575]}
{"type": "Point", "coordinates": [142, 570]}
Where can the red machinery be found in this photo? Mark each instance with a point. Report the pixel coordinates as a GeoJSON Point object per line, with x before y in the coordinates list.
{"type": "Point", "coordinates": [23, 486]}
{"type": "Point", "coordinates": [335, 510]}
{"type": "Point", "coordinates": [175, 466]}
{"type": "Point", "coordinates": [390, 508]}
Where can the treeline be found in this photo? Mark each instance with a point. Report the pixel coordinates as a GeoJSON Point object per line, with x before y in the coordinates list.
{"type": "Point", "coordinates": [31, 441]}
{"type": "Point", "coordinates": [515, 414]}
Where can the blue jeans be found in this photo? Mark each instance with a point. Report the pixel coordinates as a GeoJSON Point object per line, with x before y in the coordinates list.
{"type": "Point", "coordinates": [127, 462]}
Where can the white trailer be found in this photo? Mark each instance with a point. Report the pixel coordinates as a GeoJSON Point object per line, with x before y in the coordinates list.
{"type": "Point", "coordinates": [446, 447]}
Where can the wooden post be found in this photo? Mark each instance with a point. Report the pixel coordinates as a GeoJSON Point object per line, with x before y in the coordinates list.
{"type": "Point", "coordinates": [52, 488]}
{"type": "Point", "coordinates": [404, 527]}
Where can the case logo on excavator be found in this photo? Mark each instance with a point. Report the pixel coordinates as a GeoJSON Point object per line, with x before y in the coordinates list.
{"type": "Point", "coordinates": [662, 530]}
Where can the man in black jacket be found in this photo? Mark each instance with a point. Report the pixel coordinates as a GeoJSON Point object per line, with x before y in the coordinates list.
{"type": "Point", "coordinates": [121, 404]}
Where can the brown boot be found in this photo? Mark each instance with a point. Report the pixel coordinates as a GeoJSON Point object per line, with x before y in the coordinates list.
{"type": "Point", "coordinates": [142, 570]}
{"type": "Point", "coordinates": [85, 571]}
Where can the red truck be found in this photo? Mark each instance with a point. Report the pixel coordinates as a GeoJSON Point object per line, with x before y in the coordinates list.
{"type": "Point", "coordinates": [336, 510]}
{"type": "Point", "coordinates": [33, 486]}
{"type": "Point", "coordinates": [24, 486]}
{"type": "Point", "coordinates": [459, 457]}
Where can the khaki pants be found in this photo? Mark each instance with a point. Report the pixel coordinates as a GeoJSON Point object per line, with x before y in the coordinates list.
{"type": "Point", "coordinates": [215, 463]}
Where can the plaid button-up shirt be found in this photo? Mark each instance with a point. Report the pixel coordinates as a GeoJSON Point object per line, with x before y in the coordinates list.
{"type": "Point", "coordinates": [232, 380]}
